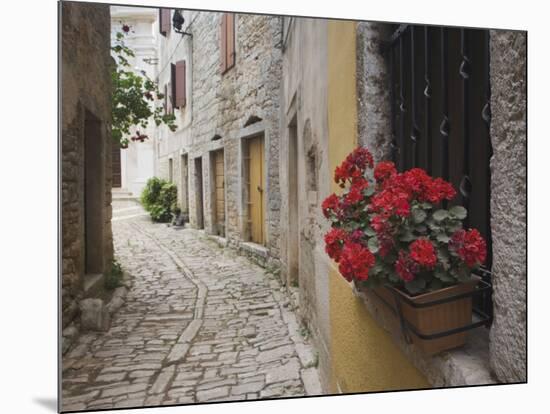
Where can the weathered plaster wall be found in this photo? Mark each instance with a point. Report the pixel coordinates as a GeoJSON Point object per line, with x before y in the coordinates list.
{"type": "Point", "coordinates": [302, 100]}
{"type": "Point", "coordinates": [364, 357]}
{"type": "Point", "coordinates": [508, 203]}
{"type": "Point", "coordinates": [86, 93]}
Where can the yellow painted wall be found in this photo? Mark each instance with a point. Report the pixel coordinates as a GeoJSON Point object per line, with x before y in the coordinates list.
{"type": "Point", "coordinates": [363, 356]}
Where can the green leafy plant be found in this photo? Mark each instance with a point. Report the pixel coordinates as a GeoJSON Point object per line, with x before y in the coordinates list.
{"type": "Point", "coordinates": [151, 192]}
{"type": "Point", "coordinates": [135, 97]}
{"type": "Point", "coordinates": [114, 276]}
{"type": "Point", "coordinates": [159, 198]}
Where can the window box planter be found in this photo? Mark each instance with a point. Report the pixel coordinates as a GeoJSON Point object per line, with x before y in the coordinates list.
{"type": "Point", "coordinates": [435, 321]}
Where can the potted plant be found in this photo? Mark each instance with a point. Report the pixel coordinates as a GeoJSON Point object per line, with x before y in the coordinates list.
{"type": "Point", "coordinates": [391, 233]}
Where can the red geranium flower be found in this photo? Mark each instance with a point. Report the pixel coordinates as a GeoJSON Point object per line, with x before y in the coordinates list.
{"type": "Point", "coordinates": [384, 170]}
{"type": "Point", "coordinates": [437, 191]}
{"type": "Point", "coordinates": [334, 242]}
{"type": "Point", "coordinates": [355, 193]}
{"type": "Point", "coordinates": [354, 166]}
{"type": "Point", "coordinates": [331, 204]}
{"type": "Point", "coordinates": [470, 246]}
{"type": "Point", "coordinates": [355, 261]}
{"type": "Point", "coordinates": [423, 253]}
{"type": "Point", "coordinates": [125, 28]}
{"type": "Point", "coordinates": [405, 266]}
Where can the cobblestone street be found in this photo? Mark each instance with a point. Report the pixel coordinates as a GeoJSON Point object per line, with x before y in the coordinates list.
{"type": "Point", "coordinates": [200, 323]}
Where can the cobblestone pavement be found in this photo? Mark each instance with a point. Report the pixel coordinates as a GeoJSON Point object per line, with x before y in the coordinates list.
{"type": "Point", "coordinates": [199, 324]}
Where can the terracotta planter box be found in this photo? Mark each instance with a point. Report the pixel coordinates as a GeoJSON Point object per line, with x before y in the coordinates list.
{"type": "Point", "coordinates": [433, 319]}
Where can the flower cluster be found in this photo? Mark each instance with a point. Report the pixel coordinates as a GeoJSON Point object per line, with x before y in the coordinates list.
{"type": "Point", "coordinates": [388, 227]}
{"type": "Point", "coordinates": [331, 205]}
{"type": "Point", "coordinates": [334, 243]}
{"type": "Point", "coordinates": [470, 246]}
{"type": "Point", "coordinates": [399, 190]}
{"type": "Point", "coordinates": [421, 256]}
{"type": "Point", "coordinates": [355, 261]}
{"type": "Point", "coordinates": [405, 267]}
{"type": "Point", "coordinates": [354, 166]}
{"type": "Point", "coordinates": [384, 170]}
{"type": "Point", "coordinates": [139, 137]}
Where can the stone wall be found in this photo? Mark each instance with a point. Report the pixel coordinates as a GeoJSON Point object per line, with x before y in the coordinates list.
{"type": "Point", "coordinates": [220, 105]}
{"type": "Point", "coordinates": [373, 106]}
{"type": "Point", "coordinates": [85, 100]}
{"type": "Point", "coordinates": [509, 203]}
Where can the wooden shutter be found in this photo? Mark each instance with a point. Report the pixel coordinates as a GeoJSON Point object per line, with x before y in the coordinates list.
{"type": "Point", "coordinates": [223, 43]}
{"type": "Point", "coordinates": [164, 21]}
{"type": "Point", "coordinates": [230, 49]}
{"type": "Point", "coordinates": [180, 99]}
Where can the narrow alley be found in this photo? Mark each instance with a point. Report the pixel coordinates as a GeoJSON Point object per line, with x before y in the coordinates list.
{"type": "Point", "coordinates": [200, 323]}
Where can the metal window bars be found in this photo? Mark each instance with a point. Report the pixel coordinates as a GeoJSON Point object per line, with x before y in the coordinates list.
{"type": "Point", "coordinates": [440, 113]}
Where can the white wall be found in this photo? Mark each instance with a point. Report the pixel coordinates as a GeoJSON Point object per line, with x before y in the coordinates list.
{"type": "Point", "coordinates": [138, 160]}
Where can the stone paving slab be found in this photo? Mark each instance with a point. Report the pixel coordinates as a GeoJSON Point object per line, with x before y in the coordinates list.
{"type": "Point", "coordinates": [199, 324]}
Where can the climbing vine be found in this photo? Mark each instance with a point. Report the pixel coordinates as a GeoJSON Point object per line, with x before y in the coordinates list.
{"type": "Point", "coordinates": [135, 96]}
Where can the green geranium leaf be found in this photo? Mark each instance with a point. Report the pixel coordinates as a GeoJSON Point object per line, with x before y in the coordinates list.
{"type": "Point", "coordinates": [407, 237]}
{"type": "Point", "coordinates": [440, 215]}
{"type": "Point", "coordinates": [369, 231]}
{"type": "Point", "coordinates": [392, 276]}
{"type": "Point", "coordinates": [435, 284]}
{"type": "Point", "coordinates": [415, 286]}
{"type": "Point", "coordinates": [443, 238]}
{"type": "Point", "coordinates": [373, 245]}
{"type": "Point", "coordinates": [459, 212]}
{"type": "Point", "coordinates": [443, 275]}
{"type": "Point", "coordinates": [421, 228]}
{"type": "Point", "coordinates": [369, 191]}
{"type": "Point", "coordinates": [454, 226]}
{"type": "Point", "coordinates": [418, 215]}
{"type": "Point", "coordinates": [463, 273]}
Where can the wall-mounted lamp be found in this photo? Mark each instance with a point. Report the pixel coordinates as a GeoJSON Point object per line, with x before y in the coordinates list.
{"type": "Point", "coordinates": [178, 21]}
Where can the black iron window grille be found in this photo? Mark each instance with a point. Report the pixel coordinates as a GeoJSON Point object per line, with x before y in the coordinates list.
{"type": "Point", "coordinates": [440, 102]}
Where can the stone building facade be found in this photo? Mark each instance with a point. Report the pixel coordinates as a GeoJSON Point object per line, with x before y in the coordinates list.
{"type": "Point", "coordinates": [230, 116]}
{"type": "Point", "coordinates": [86, 236]}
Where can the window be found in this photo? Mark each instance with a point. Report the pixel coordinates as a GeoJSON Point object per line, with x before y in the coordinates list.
{"type": "Point", "coordinates": [440, 95]}
{"type": "Point", "coordinates": [227, 42]}
{"type": "Point", "coordinates": [165, 25]}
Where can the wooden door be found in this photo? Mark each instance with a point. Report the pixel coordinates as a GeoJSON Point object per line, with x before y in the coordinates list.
{"type": "Point", "coordinates": [116, 171]}
{"type": "Point", "coordinates": [184, 183]}
{"type": "Point", "coordinates": [219, 188]}
{"type": "Point", "coordinates": [198, 192]}
{"type": "Point", "coordinates": [256, 192]}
